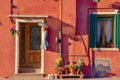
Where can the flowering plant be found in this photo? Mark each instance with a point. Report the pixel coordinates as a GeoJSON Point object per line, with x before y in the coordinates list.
{"type": "Point", "coordinates": [112, 45]}
{"type": "Point", "coordinates": [12, 30]}
{"type": "Point", "coordinates": [72, 65]}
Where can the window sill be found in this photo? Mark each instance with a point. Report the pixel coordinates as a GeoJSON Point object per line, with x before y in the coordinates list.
{"type": "Point", "coordinates": [106, 49]}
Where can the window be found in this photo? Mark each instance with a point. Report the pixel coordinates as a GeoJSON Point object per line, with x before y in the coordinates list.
{"type": "Point", "coordinates": [34, 38]}
{"type": "Point", "coordinates": [104, 31]}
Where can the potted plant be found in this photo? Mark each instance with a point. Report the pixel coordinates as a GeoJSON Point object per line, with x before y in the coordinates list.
{"type": "Point", "coordinates": [79, 65]}
{"type": "Point", "coordinates": [72, 67]}
{"type": "Point", "coordinates": [58, 65]}
{"type": "Point", "coordinates": [112, 45]}
{"type": "Point", "coordinates": [12, 30]}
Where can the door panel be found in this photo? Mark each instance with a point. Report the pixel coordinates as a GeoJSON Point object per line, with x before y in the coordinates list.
{"type": "Point", "coordinates": [31, 58]}
{"type": "Point", "coordinates": [30, 42]}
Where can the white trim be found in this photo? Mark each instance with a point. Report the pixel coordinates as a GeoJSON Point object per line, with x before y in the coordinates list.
{"type": "Point", "coordinates": [28, 16]}
{"type": "Point", "coordinates": [42, 55]}
{"type": "Point", "coordinates": [106, 49]}
{"type": "Point", "coordinates": [115, 12]}
{"type": "Point", "coordinates": [16, 50]}
{"type": "Point", "coordinates": [17, 44]}
{"type": "Point", "coordinates": [42, 61]}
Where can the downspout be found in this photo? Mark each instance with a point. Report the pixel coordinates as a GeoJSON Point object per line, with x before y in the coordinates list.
{"type": "Point", "coordinates": [11, 10]}
{"type": "Point", "coordinates": [60, 28]}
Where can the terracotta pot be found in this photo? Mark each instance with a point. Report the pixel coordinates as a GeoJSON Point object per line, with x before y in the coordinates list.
{"type": "Point", "coordinates": [71, 71]}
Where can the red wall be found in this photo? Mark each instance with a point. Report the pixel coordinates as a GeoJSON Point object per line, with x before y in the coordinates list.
{"type": "Point", "coordinates": [81, 40]}
{"type": "Point", "coordinates": [112, 55]}
{"type": "Point", "coordinates": [72, 15]}
{"type": "Point", "coordinates": [6, 41]}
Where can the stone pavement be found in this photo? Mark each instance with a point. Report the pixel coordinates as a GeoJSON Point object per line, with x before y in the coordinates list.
{"type": "Point", "coordinates": [45, 78]}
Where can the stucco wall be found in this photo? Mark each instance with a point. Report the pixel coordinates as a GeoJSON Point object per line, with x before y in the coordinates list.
{"type": "Point", "coordinates": [7, 42]}
{"type": "Point", "coordinates": [73, 15]}
{"type": "Point", "coordinates": [112, 55]}
{"type": "Point", "coordinates": [81, 40]}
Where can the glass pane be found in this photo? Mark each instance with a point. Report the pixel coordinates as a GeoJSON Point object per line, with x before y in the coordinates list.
{"type": "Point", "coordinates": [104, 33]}
{"type": "Point", "coordinates": [34, 38]}
{"type": "Point", "coordinates": [23, 45]}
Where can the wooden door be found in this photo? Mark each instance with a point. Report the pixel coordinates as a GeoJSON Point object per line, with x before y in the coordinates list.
{"type": "Point", "coordinates": [29, 43]}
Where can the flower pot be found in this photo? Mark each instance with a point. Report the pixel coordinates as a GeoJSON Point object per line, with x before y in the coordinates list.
{"type": "Point", "coordinates": [12, 32]}
{"type": "Point", "coordinates": [71, 71]}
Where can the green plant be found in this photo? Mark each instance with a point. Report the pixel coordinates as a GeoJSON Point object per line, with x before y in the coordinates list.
{"type": "Point", "coordinates": [58, 63]}
{"type": "Point", "coordinates": [12, 30]}
{"type": "Point", "coordinates": [79, 64]}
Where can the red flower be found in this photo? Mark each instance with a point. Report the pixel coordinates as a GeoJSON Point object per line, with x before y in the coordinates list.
{"type": "Point", "coordinates": [112, 45]}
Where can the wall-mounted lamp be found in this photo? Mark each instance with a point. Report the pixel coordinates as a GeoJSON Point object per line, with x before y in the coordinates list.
{"type": "Point", "coordinates": [96, 1]}
{"type": "Point", "coordinates": [57, 39]}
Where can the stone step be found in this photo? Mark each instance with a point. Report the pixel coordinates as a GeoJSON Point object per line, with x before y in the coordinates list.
{"type": "Point", "coordinates": [28, 75]}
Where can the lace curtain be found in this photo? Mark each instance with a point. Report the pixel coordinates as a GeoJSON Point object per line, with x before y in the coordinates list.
{"type": "Point", "coordinates": [108, 30]}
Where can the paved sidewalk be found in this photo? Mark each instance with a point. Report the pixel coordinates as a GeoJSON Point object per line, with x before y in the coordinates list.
{"type": "Point", "coordinates": [45, 78]}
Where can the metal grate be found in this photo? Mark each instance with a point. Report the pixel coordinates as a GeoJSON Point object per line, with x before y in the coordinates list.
{"type": "Point", "coordinates": [34, 38]}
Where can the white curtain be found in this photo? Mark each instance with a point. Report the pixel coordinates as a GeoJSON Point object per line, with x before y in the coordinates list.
{"type": "Point", "coordinates": [99, 29]}
{"type": "Point", "coordinates": [108, 30]}
{"type": "Point", "coordinates": [44, 43]}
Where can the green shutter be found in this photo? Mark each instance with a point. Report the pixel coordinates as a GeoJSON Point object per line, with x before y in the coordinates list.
{"type": "Point", "coordinates": [117, 31]}
{"type": "Point", "coordinates": [115, 25]}
{"type": "Point", "coordinates": [92, 30]}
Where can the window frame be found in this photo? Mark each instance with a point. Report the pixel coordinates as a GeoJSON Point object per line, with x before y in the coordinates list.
{"type": "Point", "coordinates": [94, 41]}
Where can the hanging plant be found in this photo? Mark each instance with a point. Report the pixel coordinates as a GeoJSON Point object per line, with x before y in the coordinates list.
{"type": "Point", "coordinates": [12, 30]}
{"type": "Point", "coordinates": [97, 1]}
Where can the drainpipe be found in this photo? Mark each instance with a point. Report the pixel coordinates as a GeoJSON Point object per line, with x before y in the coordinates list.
{"type": "Point", "coordinates": [60, 44]}
{"type": "Point", "coordinates": [60, 28]}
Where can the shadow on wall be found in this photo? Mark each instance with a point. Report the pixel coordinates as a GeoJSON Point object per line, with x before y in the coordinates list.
{"type": "Point", "coordinates": [53, 32]}
{"type": "Point", "coordinates": [0, 23]}
{"type": "Point", "coordinates": [82, 14]}
{"type": "Point", "coordinates": [67, 33]}
{"type": "Point", "coordinates": [115, 5]}
{"type": "Point", "coordinates": [99, 68]}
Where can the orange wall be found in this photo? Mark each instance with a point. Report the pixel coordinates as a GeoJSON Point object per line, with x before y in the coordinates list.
{"type": "Point", "coordinates": [74, 20]}
{"type": "Point", "coordinates": [7, 42]}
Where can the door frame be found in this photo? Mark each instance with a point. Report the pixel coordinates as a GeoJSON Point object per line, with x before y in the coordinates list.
{"type": "Point", "coordinates": [17, 43]}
